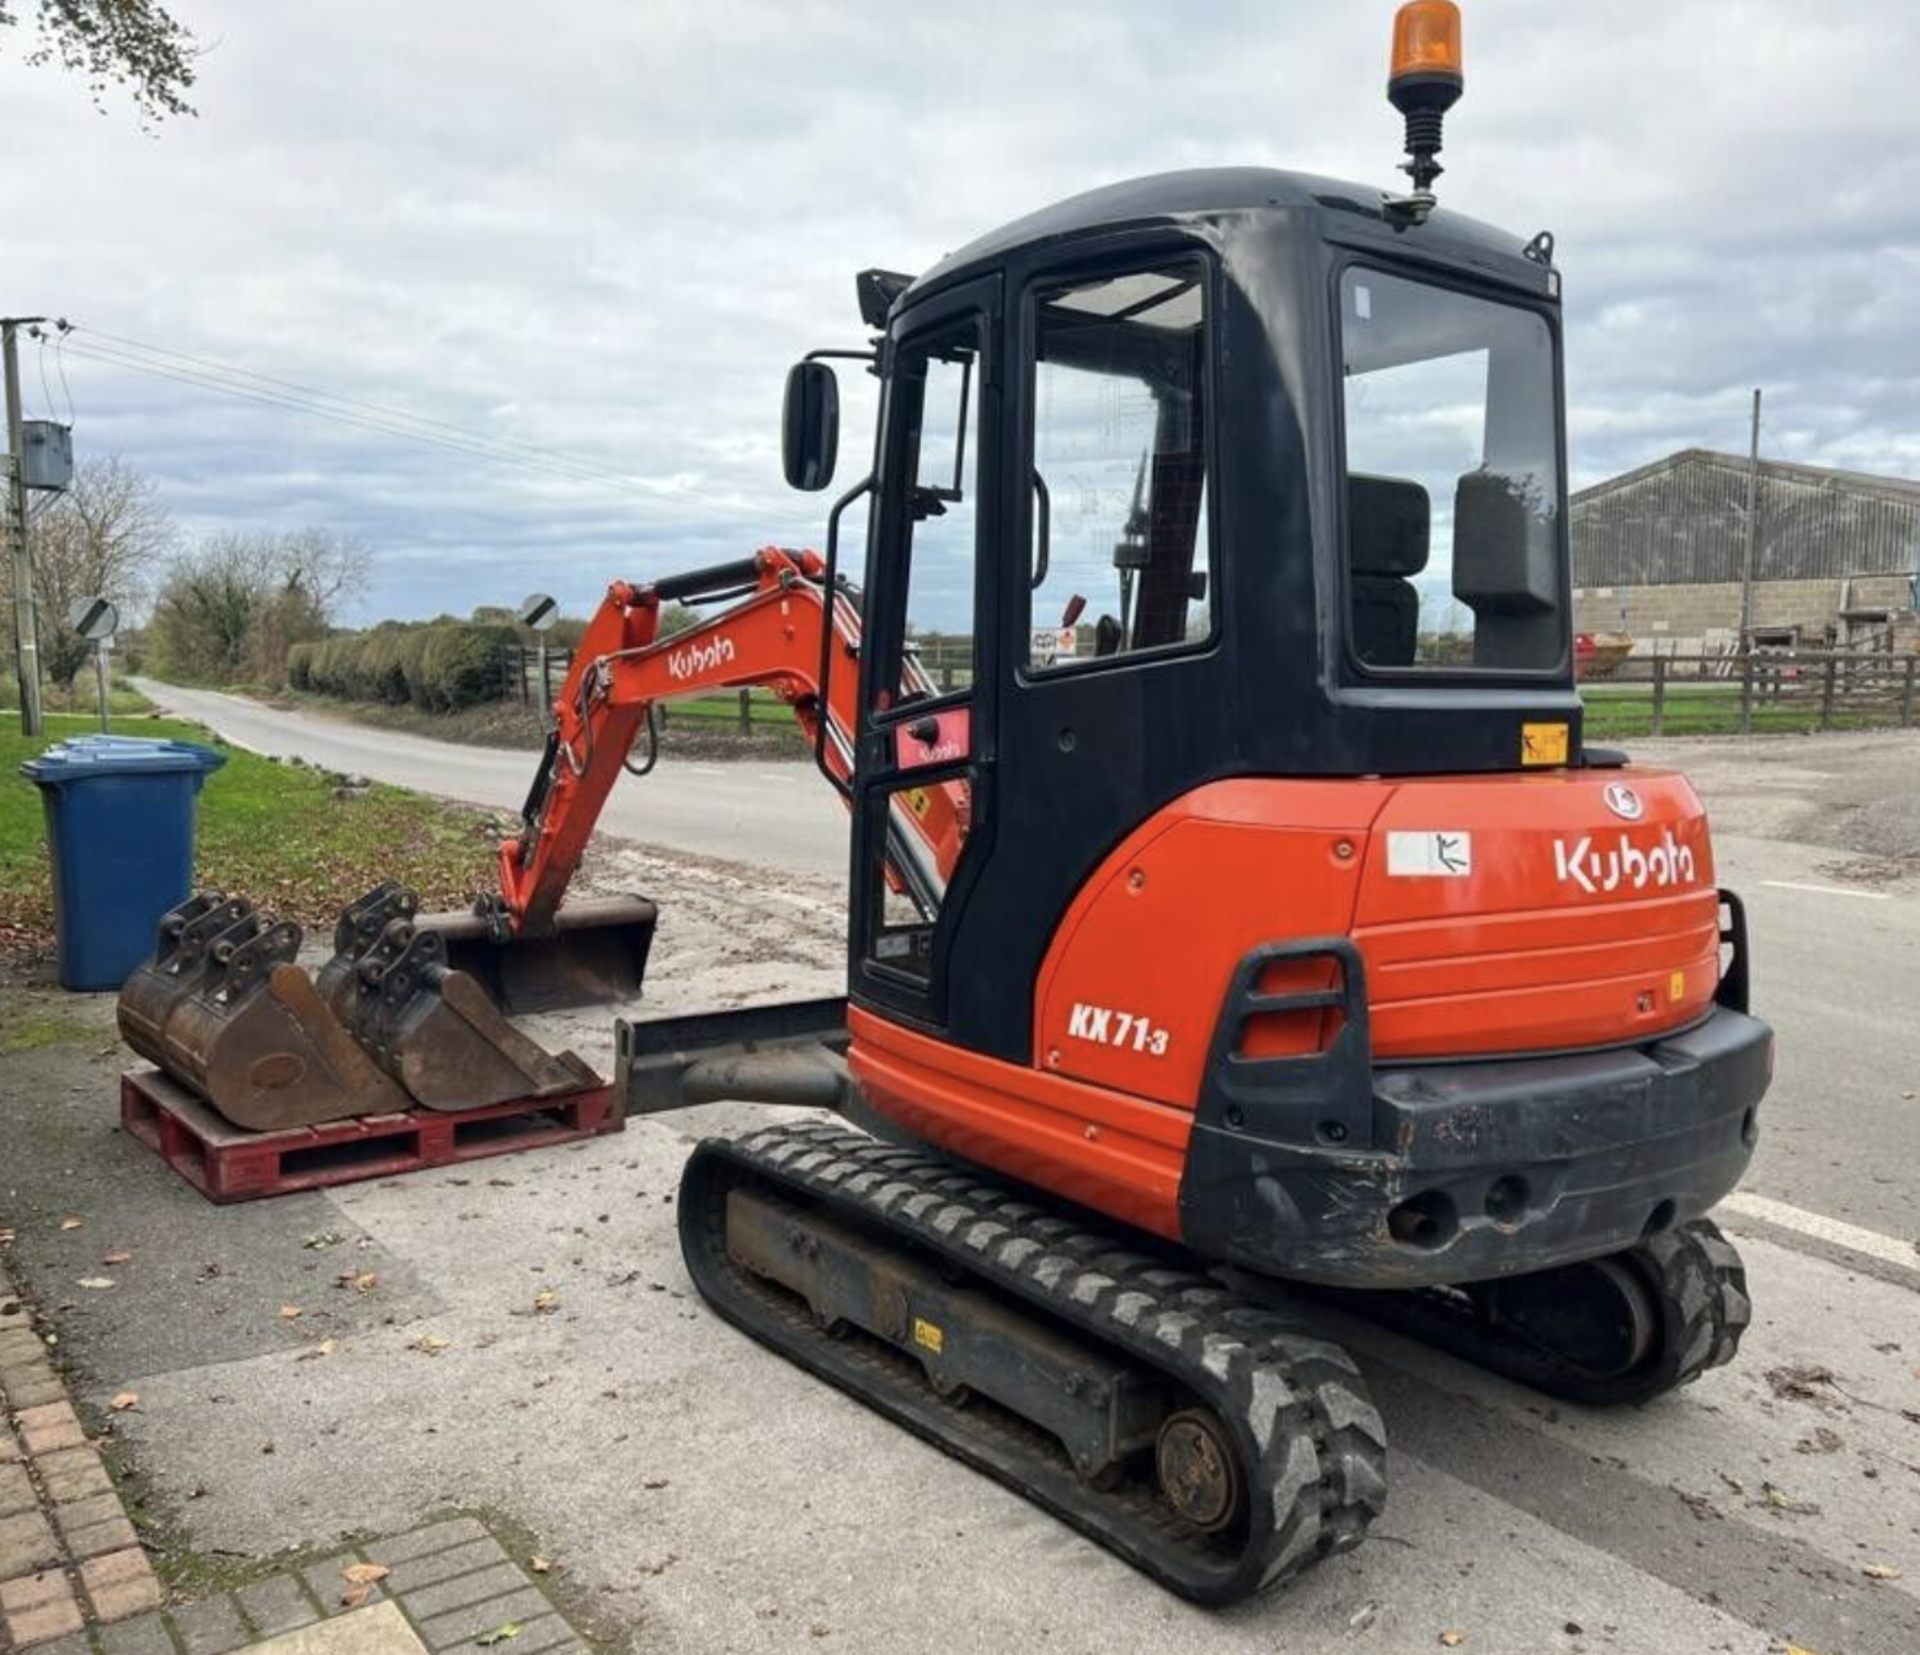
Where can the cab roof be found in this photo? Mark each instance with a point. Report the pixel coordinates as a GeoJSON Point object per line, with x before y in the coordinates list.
{"type": "Point", "coordinates": [1203, 195]}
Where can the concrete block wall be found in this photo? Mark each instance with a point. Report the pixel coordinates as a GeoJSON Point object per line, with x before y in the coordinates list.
{"type": "Point", "coordinates": [1694, 611]}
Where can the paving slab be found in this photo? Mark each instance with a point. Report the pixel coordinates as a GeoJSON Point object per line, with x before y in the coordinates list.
{"type": "Point", "coordinates": [379, 1630]}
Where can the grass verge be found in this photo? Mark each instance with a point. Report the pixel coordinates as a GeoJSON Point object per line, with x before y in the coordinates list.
{"type": "Point", "coordinates": [290, 838]}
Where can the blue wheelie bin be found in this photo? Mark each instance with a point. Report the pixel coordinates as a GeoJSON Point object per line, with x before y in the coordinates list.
{"type": "Point", "coordinates": [120, 820]}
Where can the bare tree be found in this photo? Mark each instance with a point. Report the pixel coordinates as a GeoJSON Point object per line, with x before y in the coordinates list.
{"type": "Point", "coordinates": [232, 608]}
{"type": "Point", "coordinates": [137, 44]}
{"type": "Point", "coordinates": [108, 536]}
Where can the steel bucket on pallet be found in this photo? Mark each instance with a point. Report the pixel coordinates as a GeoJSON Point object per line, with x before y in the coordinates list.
{"type": "Point", "coordinates": [230, 1016]}
{"type": "Point", "coordinates": [439, 1034]}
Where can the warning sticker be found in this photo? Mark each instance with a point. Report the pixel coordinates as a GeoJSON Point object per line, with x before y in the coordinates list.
{"type": "Point", "coordinates": [1543, 744]}
{"type": "Point", "coordinates": [1433, 853]}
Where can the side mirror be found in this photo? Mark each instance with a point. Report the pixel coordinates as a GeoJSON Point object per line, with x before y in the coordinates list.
{"type": "Point", "coordinates": [810, 426]}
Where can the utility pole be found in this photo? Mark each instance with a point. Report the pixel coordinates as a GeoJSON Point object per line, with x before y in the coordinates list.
{"type": "Point", "coordinates": [1753, 531]}
{"type": "Point", "coordinates": [26, 644]}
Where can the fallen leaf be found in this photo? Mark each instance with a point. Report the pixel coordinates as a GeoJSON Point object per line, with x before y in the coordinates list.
{"type": "Point", "coordinates": [118, 1258]}
{"type": "Point", "coordinates": [1453, 1640]}
{"type": "Point", "coordinates": [291, 1312]}
{"type": "Point", "coordinates": [361, 1281]}
{"type": "Point", "coordinates": [431, 1343]}
{"type": "Point", "coordinates": [1880, 1571]}
{"type": "Point", "coordinates": [499, 1635]}
{"type": "Point", "coordinates": [325, 1238]}
{"type": "Point", "coordinates": [71, 1223]}
{"type": "Point", "coordinates": [354, 1596]}
{"type": "Point", "coordinates": [539, 1565]}
{"type": "Point", "coordinates": [546, 1301]}
{"type": "Point", "coordinates": [99, 1284]}
{"type": "Point", "coordinates": [365, 1574]}
{"type": "Point", "coordinates": [125, 1400]}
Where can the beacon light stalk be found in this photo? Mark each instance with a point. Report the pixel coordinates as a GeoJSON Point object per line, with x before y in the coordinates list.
{"type": "Point", "coordinates": [1425, 81]}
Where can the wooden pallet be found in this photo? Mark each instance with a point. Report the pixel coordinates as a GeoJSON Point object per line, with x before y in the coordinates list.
{"type": "Point", "coordinates": [227, 1163]}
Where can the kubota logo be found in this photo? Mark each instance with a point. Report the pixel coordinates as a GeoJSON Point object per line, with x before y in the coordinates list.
{"type": "Point", "coordinates": [1667, 863]}
{"type": "Point", "coordinates": [1624, 802]}
{"type": "Point", "coordinates": [690, 659]}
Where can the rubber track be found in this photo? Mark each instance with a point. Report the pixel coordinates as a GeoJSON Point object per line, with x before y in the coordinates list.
{"type": "Point", "coordinates": [1698, 1283]}
{"type": "Point", "coordinates": [1313, 1447]}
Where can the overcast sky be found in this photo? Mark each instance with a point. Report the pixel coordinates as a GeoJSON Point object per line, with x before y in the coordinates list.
{"type": "Point", "coordinates": [604, 229]}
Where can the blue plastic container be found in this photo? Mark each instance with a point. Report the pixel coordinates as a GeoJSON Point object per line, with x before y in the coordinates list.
{"type": "Point", "coordinates": [120, 818]}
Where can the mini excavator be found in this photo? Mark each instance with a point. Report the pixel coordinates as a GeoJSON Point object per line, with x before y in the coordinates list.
{"type": "Point", "coordinates": [1239, 922]}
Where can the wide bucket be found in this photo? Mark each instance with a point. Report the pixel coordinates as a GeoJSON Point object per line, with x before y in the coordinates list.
{"type": "Point", "coordinates": [595, 955]}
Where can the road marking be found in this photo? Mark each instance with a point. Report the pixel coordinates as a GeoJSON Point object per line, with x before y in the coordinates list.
{"type": "Point", "coordinates": [705, 770]}
{"type": "Point", "coordinates": [1834, 1231]}
{"type": "Point", "coordinates": [1824, 890]}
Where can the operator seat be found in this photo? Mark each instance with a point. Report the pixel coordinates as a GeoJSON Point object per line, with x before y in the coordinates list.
{"type": "Point", "coordinates": [1388, 526]}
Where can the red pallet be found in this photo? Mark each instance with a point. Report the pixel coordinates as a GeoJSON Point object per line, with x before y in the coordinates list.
{"type": "Point", "coordinates": [227, 1163]}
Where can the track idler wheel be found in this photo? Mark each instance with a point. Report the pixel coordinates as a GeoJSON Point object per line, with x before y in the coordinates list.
{"type": "Point", "coordinates": [1198, 1472]}
{"type": "Point", "coordinates": [1627, 1328]}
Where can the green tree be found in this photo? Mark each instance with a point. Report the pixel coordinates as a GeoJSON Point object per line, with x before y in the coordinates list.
{"type": "Point", "coordinates": [136, 44]}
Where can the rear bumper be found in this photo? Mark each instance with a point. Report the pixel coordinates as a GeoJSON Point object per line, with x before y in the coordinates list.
{"type": "Point", "coordinates": [1332, 1170]}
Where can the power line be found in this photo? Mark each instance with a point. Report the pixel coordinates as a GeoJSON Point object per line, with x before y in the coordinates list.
{"type": "Point", "coordinates": [205, 374]}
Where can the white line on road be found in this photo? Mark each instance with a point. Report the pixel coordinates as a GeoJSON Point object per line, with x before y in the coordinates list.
{"type": "Point", "coordinates": [1823, 890]}
{"type": "Point", "coordinates": [1835, 1232]}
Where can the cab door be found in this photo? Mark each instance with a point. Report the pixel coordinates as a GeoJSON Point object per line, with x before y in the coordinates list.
{"type": "Point", "coordinates": [923, 787]}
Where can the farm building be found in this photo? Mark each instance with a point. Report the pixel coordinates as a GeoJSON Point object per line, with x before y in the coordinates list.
{"type": "Point", "coordinates": [1658, 554]}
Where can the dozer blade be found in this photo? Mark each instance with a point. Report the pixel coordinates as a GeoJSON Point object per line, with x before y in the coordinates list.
{"type": "Point", "coordinates": [595, 954]}
{"type": "Point", "coordinates": [180, 958]}
{"type": "Point", "coordinates": [254, 1038]}
{"type": "Point", "coordinates": [436, 1031]}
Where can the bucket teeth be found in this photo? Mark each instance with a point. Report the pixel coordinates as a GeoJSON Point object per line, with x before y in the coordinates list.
{"type": "Point", "coordinates": [436, 1031]}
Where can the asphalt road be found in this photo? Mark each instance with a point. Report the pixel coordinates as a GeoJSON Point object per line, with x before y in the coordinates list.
{"type": "Point", "coordinates": [770, 814]}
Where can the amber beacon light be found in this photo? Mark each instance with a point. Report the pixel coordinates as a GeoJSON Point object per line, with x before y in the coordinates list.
{"type": "Point", "coordinates": [1426, 80]}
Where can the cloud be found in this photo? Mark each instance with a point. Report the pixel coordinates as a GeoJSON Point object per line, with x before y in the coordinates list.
{"type": "Point", "coordinates": [603, 231]}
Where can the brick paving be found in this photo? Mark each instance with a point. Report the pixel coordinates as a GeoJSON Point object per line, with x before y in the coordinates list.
{"type": "Point", "coordinates": [74, 1579]}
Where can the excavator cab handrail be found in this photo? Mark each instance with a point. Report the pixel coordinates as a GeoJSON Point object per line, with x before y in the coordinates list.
{"type": "Point", "coordinates": [831, 582]}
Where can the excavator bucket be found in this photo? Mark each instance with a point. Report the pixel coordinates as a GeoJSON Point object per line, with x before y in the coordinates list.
{"type": "Point", "coordinates": [438, 1033]}
{"type": "Point", "coordinates": [181, 957]}
{"type": "Point", "coordinates": [355, 933]}
{"type": "Point", "coordinates": [246, 1027]}
{"type": "Point", "coordinates": [595, 954]}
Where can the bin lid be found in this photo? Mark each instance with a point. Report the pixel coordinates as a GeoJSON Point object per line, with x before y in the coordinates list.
{"type": "Point", "coordinates": [90, 758]}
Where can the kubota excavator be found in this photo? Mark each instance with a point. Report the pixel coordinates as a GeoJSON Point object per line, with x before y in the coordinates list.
{"type": "Point", "coordinates": [1271, 937]}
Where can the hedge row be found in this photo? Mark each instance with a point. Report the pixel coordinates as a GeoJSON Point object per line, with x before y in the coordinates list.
{"type": "Point", "coordinates": [438, 665]}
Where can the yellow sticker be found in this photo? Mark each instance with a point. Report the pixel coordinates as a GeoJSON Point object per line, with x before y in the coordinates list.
{"type": "Point", "coordinates": [1543, 744]}
{"type": "Point", "coordinates": [927, 1336]}
{"type": "Point", "coordinates": [918, 802]}
{"type": "Point", "coordinates": [1677, 986]}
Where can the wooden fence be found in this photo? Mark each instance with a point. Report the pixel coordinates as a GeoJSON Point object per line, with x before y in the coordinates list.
{"type": "Point", "coordinates": [1765, 690]}
{"type": "Point", "coordinates": [742, 710]}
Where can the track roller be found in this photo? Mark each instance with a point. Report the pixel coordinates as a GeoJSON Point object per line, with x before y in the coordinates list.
{"type": "Point", "coordinates": [1218, 1445]}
